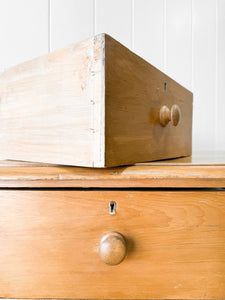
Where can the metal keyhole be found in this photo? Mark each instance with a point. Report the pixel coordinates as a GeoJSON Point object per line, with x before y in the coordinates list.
{"type": "Point", "coordinates": [112, 207]}
{"type": "Point", "coordinates": [165, 86]}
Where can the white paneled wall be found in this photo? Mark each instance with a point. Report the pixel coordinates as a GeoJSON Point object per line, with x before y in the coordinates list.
{"type": "Point", "coordinates": [220, 76]}
{"type": "Point", "coordinates": [148, 31]}
{"type": "Point", "coordinates": [115, 18]}
{"type": "Point", "coordinates": [70, 21]}
{"type": "Point", "coordinates": [204, 71]}
{"type": "Point", "coordinates": [184, 38]}
{"type": "Point", "coordinates": [178, 41]}
{"type": "Point", "coordinates": [23, 30]}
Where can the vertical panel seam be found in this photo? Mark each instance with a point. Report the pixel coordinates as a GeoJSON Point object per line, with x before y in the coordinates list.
{"type": "Point", "coordinates": [132, 24]}
{"type": "Point", "coordinates": [192, 48]}
{"type": "Point", "coordinates": [94, 17]}
{"type": "Point", "coordinates": [216, 80]}
{"type": "Point", "coordinates": [164, 37]}
{"type": "Point", "coordinates": [49, 30]}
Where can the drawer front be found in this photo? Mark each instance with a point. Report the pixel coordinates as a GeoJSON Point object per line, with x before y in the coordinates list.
{"type": "Point", "coordinates": [148, 116]}
{"type": "Point", "coordinates": [175, 244]}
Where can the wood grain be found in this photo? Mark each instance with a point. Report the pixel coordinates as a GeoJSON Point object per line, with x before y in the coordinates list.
{"type": "Point", "coordinates": [52, 107]}
{"type": "Point", "coordinates": [92, 104]}
{"type": "Point", "coordinates": [135, 92]}
{"type": "Point", "coordinates": [49, 244]}
{"type": "Point", "coordinates": [203, 170]}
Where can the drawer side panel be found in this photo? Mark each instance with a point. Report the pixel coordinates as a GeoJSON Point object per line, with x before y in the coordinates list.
{"type": "Point", "coordinates": [52, 107]}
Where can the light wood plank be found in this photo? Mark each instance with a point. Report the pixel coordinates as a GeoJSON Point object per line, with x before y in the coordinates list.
{"type": "Point", "coordinates": [49, 244]}
{"type": "Point", "coordinates": [114, 18]}
{"type": "Point", "coordinates": [23, 31]}
{"type": "Point", "coordinates": [52, 107]}
{"type": "Point", "coordinates": [204, 53]}
{"type": "Point", "coordinates": [178, 41]}
{"type": "Point", "coordinates": [70, 21]}
{"type": "Point", "coordinates": [149, 31]}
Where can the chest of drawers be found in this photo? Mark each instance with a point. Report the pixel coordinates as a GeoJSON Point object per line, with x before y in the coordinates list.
{"type": "Point", "coordinates": [148, 231]}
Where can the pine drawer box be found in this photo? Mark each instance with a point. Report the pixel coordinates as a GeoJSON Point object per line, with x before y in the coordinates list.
{"type": "Point", "coordinates": [93, 104]}
{"type": "Point", "coordinates": [148, 231]}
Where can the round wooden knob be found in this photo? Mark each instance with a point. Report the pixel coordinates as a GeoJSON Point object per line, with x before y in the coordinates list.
{"type": "Point", "coordinates": [112, 248]}
{"type": "Point", "coordinates": [175, 114]}
{"type": "Point", "coordinates": [166, 115]}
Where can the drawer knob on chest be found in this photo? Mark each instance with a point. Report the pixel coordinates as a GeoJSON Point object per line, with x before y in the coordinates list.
{"type": "Point", "coordinates": [112, 248]}
{"type": "Point", "coordinates": [166, 115]}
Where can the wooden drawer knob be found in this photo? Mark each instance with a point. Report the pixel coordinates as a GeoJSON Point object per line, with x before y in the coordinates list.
{"type": "Point", "coordinates": [167, 115]}
{"type": "Point", "coordinates": [112, 248]}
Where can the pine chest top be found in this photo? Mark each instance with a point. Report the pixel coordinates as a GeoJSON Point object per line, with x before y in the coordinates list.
{"type": "Point", "coordinates": [201, 170]}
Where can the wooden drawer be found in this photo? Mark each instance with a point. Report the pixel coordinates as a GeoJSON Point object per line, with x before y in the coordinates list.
{"type": "Point", "coordinates": [93, 104]}
{"type": "Point", "coordinates": [49, 243]}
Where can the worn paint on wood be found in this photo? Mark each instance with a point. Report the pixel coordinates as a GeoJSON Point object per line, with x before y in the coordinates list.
{"type": "Point", "coordinates": [92, 104]}
{"type": "Point", "coordinates": [52, 107]}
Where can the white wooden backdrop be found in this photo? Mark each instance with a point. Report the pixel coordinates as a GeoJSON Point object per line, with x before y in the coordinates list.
{"type": "Point", "coordinates": [184, 38]}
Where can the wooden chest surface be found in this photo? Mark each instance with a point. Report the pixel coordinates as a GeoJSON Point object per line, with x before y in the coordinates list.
{"type": "Point", "coordinates": [171, 214]}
